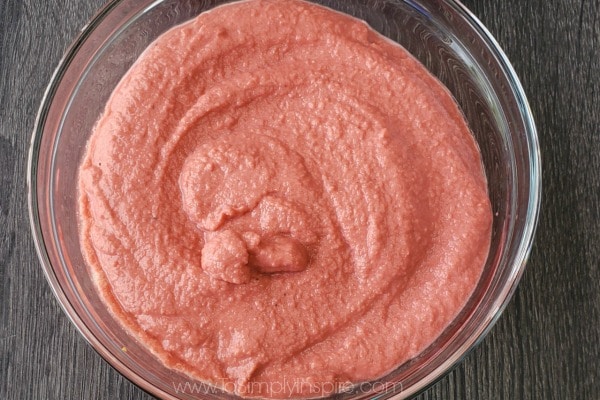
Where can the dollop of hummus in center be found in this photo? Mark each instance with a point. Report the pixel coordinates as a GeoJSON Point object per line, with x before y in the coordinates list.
{"type": "Point", "coordinates": [277, 200]}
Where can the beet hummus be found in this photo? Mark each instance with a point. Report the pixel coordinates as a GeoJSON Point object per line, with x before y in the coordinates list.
{"type": "Point", "coordinates": [277, 200]}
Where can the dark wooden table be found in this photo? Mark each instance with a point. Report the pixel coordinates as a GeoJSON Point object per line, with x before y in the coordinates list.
{"type": "Point", "coordinates": [545, 346]}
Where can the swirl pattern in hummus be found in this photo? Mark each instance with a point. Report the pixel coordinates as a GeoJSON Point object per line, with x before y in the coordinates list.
{"type": "Point", "coordinates": [276, 193]}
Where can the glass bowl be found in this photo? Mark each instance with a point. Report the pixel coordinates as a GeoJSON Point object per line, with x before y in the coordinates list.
{"type": "Point", "coordinates": [443, 35]}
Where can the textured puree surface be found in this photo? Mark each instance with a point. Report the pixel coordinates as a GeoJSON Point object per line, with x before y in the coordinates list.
{"type": "Point", "coordinates": [292, 179]}
{"type": "Point", "coordinates": [545, 345]}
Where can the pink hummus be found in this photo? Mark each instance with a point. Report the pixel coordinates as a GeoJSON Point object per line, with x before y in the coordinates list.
{"type": "Point", "coordinates": [278, 200]}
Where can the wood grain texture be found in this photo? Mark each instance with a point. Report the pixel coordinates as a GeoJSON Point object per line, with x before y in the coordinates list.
{"type": "Point", "coordinates": [546, 344]}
